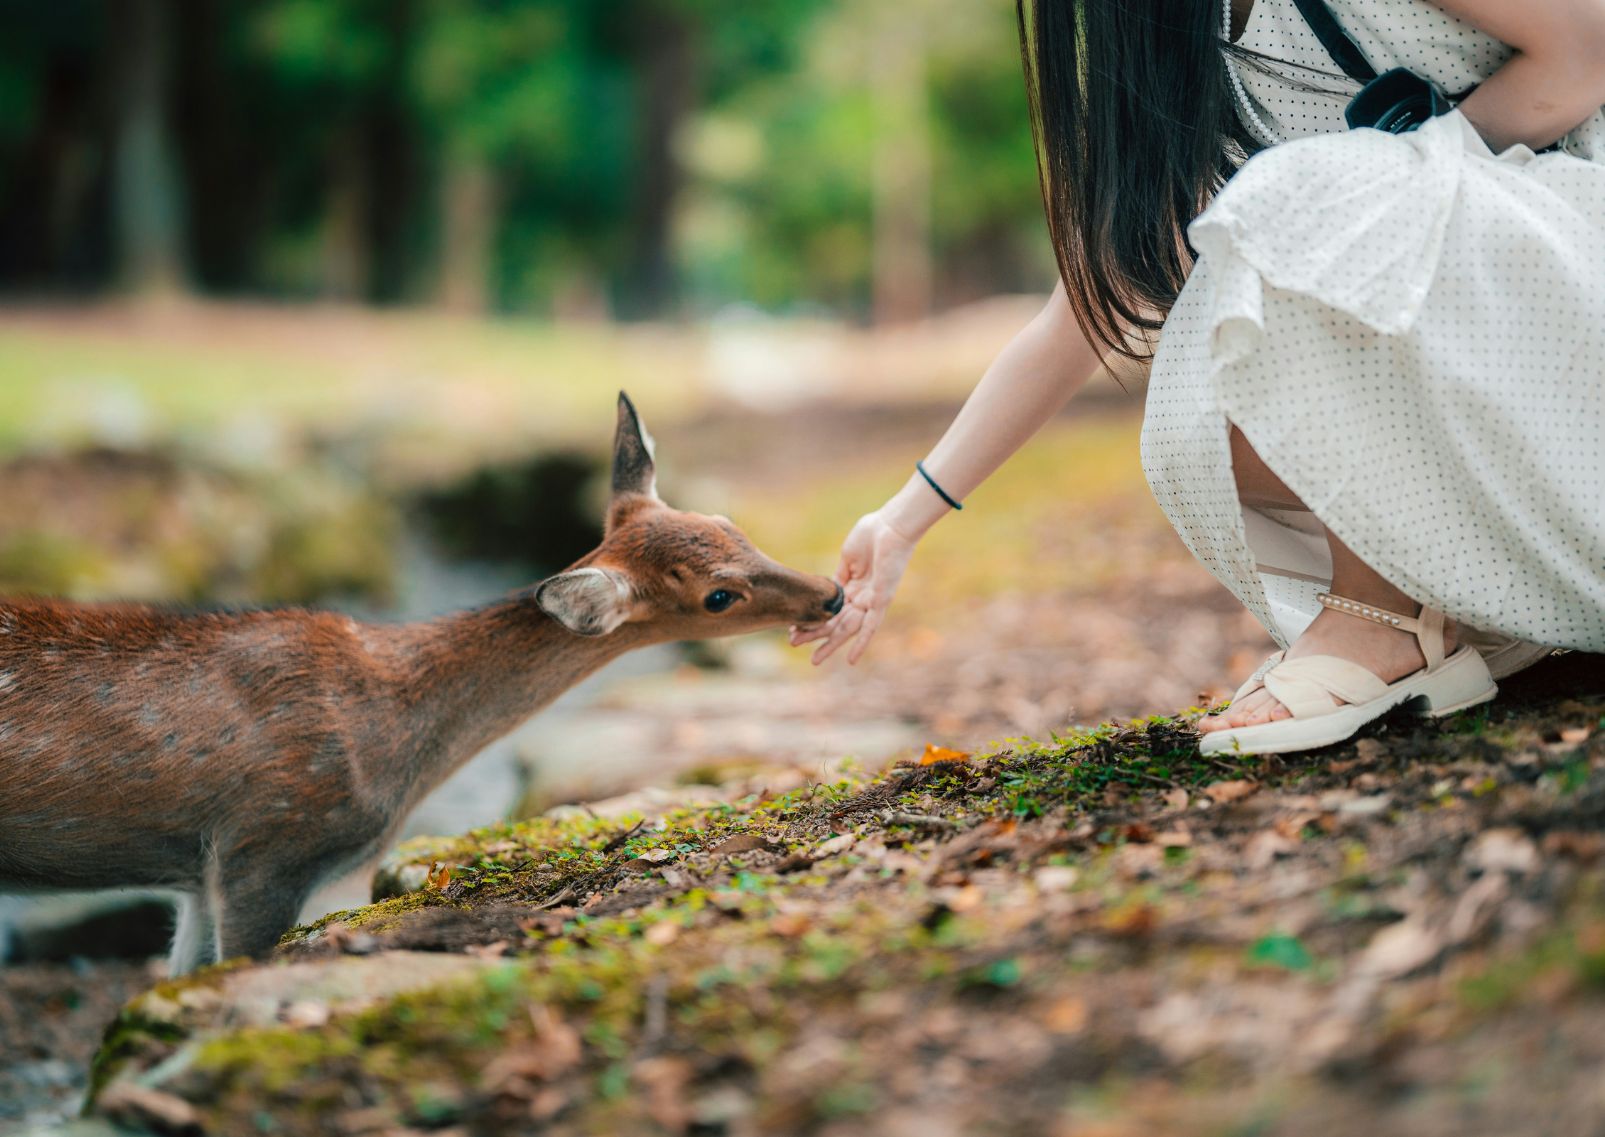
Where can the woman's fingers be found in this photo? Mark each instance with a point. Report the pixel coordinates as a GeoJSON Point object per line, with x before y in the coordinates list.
{"type": "Point", "coordinates": [807, 635]}
{"type": "Point", "coordinates": [847, 625]}
{"type": "Point", "coordinates": [872, 620]}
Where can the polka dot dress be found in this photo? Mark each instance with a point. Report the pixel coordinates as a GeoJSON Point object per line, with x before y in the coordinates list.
{"type": "Point", "coordinates": [1410, 330]}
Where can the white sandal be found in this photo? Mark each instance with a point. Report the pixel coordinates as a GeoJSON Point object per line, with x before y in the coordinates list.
{"type": "Point", "coordinates": [1331, 698]}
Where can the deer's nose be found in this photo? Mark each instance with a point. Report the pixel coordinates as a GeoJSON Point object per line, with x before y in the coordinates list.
{"type": "Point", "coordinates": [834, 604]}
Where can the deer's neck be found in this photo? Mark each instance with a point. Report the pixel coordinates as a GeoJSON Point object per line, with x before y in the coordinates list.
{"type": "Point", "coordinates": [470, 678]}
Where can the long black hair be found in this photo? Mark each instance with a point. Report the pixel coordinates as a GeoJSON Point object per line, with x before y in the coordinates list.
{"type": "Point", "coordinates": [1135, 127]}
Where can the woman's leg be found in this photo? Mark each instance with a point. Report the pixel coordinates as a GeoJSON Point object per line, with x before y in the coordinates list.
{"type": "Point", "coordinates": [1387, 652]}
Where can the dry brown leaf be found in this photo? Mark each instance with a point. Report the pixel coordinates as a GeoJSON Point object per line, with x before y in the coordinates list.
{"type": "Point", "coordinates": [1176, 799]}
{"type": "Point", "coordinates": [1132, 920]}
{"type": "Point", "coordinates": [838, 844]}
{"type": "Point", "coordinates": [1292, 826]}
{"type": "Point", "coordinates": [790, 926]}
{"type": "Point", "coordinates": [664, 1080]}
{"type": "Point", "coordinates": [1575, 734]}
{"type": "Point", "coordinates": [1265, 846]}
{"type": "Point", "coordinates": [1177, 838]}
{"type": "Point", "coordinates": [1066, 1016]}
{"type": "Point", "coordinates": [439, 876]}
{"type": "Point", "coordinates": [740, 843]}
{"type": "Point", "coordinates": [1222, 792]}
{"type": "Point", "coordinates": [662, 934]}
{"type": "Point", "coordinates": [1585, 847]}
{"type": "Point", "coordinates": [934, 754]}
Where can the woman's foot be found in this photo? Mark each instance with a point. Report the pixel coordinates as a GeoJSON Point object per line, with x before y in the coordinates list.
{"type": "Point", "coordinates": [1388, 653]}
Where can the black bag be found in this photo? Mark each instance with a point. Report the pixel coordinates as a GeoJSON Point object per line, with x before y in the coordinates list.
{"type": "Point", "coordinates": [1397, 101]}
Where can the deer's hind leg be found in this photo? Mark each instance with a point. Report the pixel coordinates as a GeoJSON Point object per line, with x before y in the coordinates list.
{"type": "Point", "coordinates": [258, 907]}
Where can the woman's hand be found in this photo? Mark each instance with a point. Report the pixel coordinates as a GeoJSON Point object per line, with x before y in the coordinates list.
{"type": "Point", "coordinates": [874, 557]}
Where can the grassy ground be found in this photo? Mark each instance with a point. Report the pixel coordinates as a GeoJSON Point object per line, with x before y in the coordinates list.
{"type": "Point", "coordinates": [1097, 934]}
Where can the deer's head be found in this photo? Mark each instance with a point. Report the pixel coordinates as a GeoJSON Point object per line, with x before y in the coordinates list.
{"type": "Point", "coordinates": [672, 574]}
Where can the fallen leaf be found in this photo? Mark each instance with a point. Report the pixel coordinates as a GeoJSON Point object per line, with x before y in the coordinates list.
{"type": "Point", "coordinates": [439, 876]}
{"type": "Point", "coordinates": [1280, 950]}
{"type": "Point", "coordinates": [1575, 734]}
{"type": "Point", "coordinates": [1292, 826]}
{"type": "Point", "coordinates": [1176, 799]}
{"type": "Point", "coordinates": [1132, 920]}
{"type": "Point", "coordinates": [1264, 847]}
{"type": "Point", "coordinates": [1066, 1016]}
{"type": "Point", "coordinates": [1222, 792]}
{"type": "Point", "coordinates": [740, 843]}
{"type": "Point", "coordinates": [790, 926]}
{"type": "Point", "coordinates": [934, 754]}
{"type": "Point", "coordinates": [1585, 847]}
{"type": "Point", "coordinates": [839, 844]}
{"type": "Point", "coordinates": [662, 934]}
{"type": "Point", "coordinates": [664, 1080]}
{"type": "Point", "coordinates": [1503, 850]}
{"type": "Point", "coordinates": [1056, 878]}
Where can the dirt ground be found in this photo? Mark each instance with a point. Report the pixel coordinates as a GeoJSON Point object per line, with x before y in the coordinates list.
{"type": "Point", "coordinates": [1107, 935]}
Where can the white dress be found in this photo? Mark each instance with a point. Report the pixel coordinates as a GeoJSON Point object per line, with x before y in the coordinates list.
{"type": "Point", "coordinates": [1410, 331]}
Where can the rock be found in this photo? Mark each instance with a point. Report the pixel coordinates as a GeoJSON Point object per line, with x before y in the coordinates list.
{"type": "Point", "coordinates": [1503, 850]}
{"type": "Point", "coordinates": [299, 994]}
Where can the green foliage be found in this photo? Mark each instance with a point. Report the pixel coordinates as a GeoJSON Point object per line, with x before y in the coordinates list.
{"type": "Point", "coordinates": [322, 144]}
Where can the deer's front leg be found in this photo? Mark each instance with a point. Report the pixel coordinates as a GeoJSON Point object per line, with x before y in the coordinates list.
{"type": "Point", "coordinates": [195, 936]}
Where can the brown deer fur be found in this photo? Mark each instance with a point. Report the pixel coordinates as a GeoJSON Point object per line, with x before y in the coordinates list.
{"type": "Point", "coordinates": [243, 758]}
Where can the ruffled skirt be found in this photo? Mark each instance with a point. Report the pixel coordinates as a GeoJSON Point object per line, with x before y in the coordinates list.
{"type": "Point", "coordinates": [1410, 331]}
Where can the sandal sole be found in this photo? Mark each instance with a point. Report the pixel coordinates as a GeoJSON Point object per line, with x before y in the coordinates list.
{"type": "Point", "coordinates": [1461, 681]}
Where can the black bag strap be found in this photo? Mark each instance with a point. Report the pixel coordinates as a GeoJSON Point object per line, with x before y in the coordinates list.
{"type": "Point", "coordinates": [1343, 50]}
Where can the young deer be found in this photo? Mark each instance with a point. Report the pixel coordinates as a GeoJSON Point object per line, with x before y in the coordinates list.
{"type": "Point", "coordinates": [243, 758]}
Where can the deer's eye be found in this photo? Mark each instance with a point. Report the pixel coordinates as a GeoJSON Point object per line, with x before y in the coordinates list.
{"type": "Point", "coordinates": [718, 600]}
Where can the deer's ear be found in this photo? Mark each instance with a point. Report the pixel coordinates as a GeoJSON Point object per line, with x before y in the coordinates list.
{"type": "Point", "coordinates": [586, 601]}
{"type": "Point", "coordinates": [633, 468]}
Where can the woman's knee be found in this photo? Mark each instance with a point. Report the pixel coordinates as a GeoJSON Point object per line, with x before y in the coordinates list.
{"type": "Point", "coordinates": [1257, 483]}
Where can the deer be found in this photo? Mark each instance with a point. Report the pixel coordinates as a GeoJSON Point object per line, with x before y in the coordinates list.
{"type": "Point", "coordinates": [240, 759]}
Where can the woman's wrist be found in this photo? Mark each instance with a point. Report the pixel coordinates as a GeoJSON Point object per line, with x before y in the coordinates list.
{"type": "Point", "coordinates": [912, 510]}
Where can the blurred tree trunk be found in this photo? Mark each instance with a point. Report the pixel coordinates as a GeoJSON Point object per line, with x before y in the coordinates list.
{"type": "Point", "coordinates": [344, 249]}
{"type": "Point", "coordinates": [901, 269]}
{"type": "Point", "coordinates": [391, 164]}
{"type": "Point", "coordinates": [665, 49]}
{"type": "Point", "coordinates": [145, 193]}
{"type": "Point", "coordinates": [468, 233]}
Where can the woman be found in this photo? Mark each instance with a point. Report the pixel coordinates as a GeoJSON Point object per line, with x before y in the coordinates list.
{"type": "Point", "coordinates": [1376, 409]}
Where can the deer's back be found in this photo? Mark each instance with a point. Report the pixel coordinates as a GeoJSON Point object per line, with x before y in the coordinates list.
{"type": "Point", "coordinates": [132, 738]}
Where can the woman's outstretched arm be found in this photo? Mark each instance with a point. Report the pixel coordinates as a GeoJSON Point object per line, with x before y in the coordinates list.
{"type": "Point", "coordinates": [1033, 376]}
{"type": "Point", "coordinates": [1555, 80]}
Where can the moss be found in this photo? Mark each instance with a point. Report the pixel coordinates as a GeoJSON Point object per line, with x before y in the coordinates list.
{"type": "Point", "coordinates": [370, 917]}
{"type": "Point", "coordinates": [151, 1023]}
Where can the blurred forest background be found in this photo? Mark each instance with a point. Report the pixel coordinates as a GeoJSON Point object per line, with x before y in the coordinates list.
{"type": "Point", "coordinates": [559, 158]}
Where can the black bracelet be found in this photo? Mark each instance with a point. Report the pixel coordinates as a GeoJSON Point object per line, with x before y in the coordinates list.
{"type": "Point", "coordinates": [940, 492]}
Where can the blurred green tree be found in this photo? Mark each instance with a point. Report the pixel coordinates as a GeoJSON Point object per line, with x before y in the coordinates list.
{"type": "Point", "coordinates": [641, 158]}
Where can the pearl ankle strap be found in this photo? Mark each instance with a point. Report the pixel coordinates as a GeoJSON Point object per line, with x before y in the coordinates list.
{"type": "Point", "coordinates": [1368, 612]}
{"type": "Point", "coordinates": [1427, 627]}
